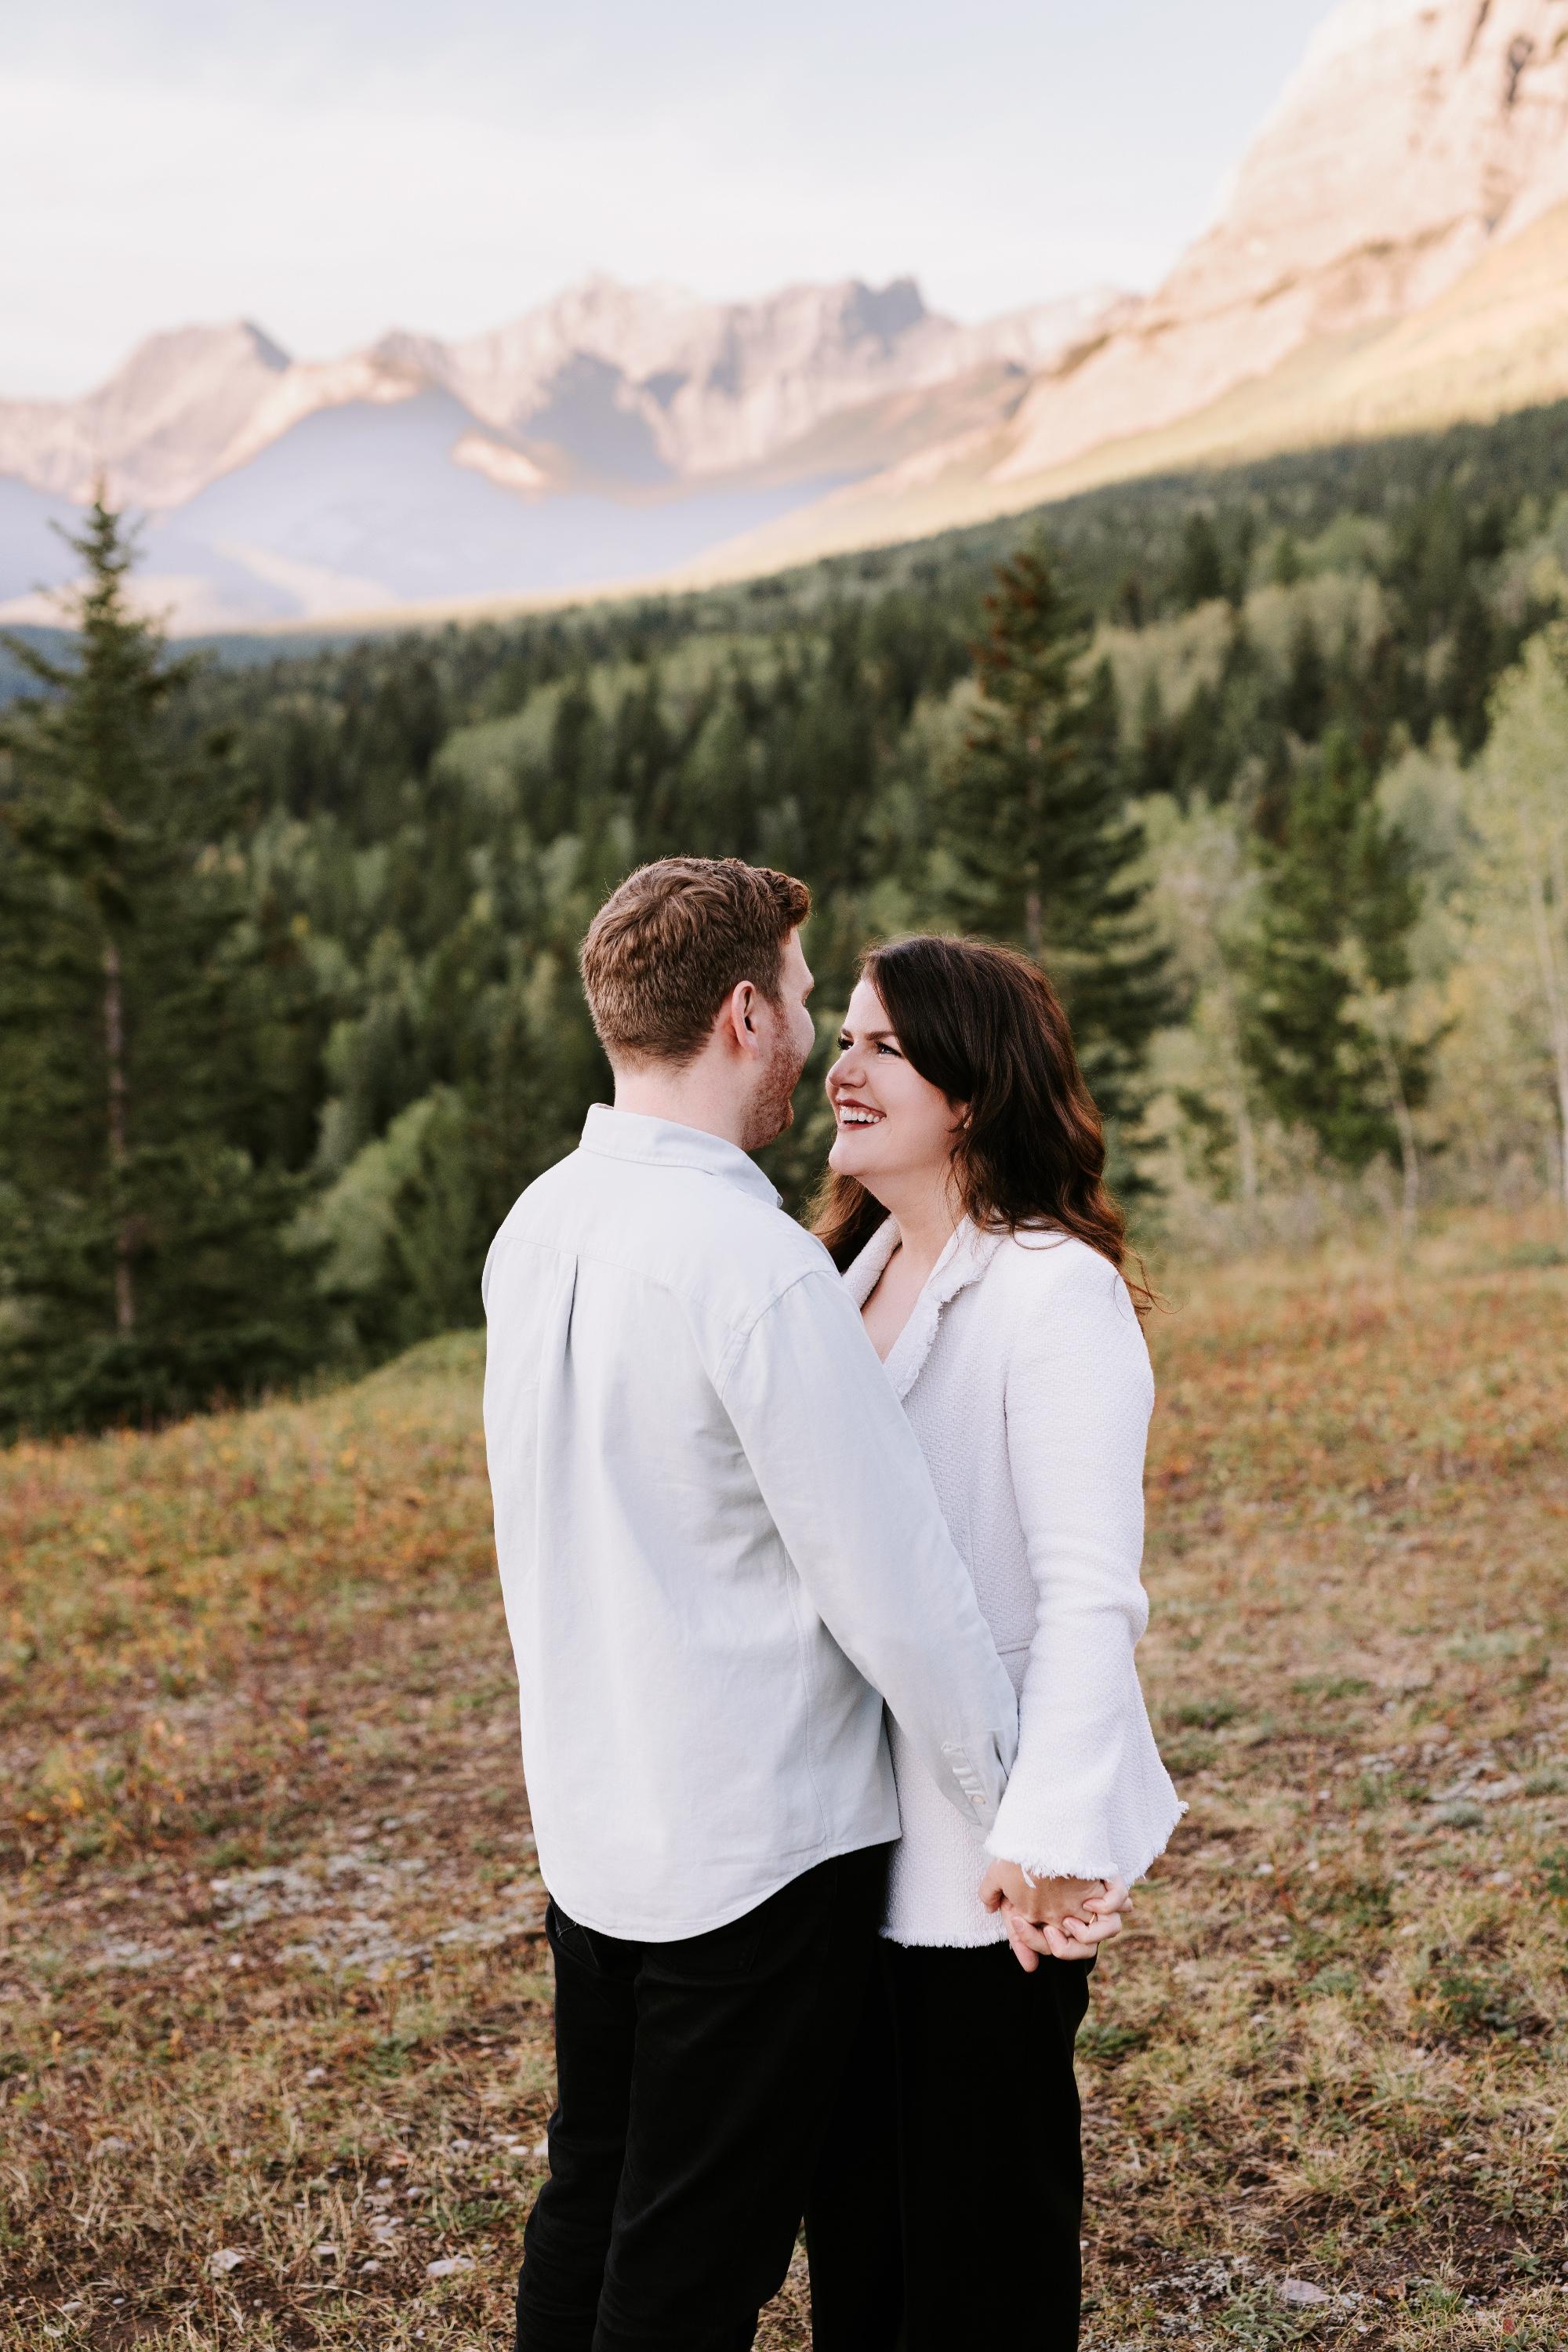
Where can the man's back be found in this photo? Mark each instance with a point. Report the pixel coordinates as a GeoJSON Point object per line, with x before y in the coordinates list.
{"type": "Point", "coordinates": [720, 1553]}
{"type": "Point", "coordinates": [693, 1469]}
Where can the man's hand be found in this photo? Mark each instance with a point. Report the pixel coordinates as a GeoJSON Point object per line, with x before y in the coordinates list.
{"type": "Point", "coordinates": [1053, 1918]}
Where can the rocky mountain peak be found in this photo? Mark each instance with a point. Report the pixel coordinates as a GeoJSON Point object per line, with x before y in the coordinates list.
{"type": "Point", "coordinates": [1414, 134]}
{"type": "Point", "coordinates": [884, 312]}
{"type": "Point", "coordinates": [180, 353]}
{"type": "Point", "coordinates": [161, 424]}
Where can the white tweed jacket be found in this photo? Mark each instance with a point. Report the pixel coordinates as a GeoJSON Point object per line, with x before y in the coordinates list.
{"type": "Point", "coordinates": [1024, 1373]}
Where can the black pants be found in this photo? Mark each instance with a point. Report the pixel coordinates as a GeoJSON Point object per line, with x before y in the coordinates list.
{"type": "Point", "coordinates": [950, 2189]}
{"type": "Point", "coordinates": [695, 2080]}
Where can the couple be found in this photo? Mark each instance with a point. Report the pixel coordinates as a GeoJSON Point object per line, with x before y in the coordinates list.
{"type": "Point", "coordinates": [774, 1602]}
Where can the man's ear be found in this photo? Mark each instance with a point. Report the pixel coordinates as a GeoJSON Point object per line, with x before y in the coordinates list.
{"type": "Point", "coordinates": [742, 1004]}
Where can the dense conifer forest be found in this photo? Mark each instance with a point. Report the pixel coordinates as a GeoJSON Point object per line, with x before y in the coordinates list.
{"type": "Point", "coordinates": [1268, 767]}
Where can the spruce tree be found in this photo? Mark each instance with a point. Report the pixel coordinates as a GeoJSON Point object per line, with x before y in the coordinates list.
{"type": "Point", "coordinates": [1200, 565]}
{"type": "Point", "coordinates": [1304, 702]}
{"type": "Point", "coordinates": [1321, 1031]}
{"type": "Point", "coordinates": [143, 1256]}
{"type": "Point", "coordinates": [1036, 844]}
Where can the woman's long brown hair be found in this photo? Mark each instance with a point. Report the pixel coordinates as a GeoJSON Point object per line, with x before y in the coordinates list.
{"type": "Point", "coordinates": [985, 1025]}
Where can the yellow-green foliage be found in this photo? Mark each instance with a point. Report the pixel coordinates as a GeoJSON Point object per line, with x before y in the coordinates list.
{"type": "Point", "coordinates": [270, 1966]}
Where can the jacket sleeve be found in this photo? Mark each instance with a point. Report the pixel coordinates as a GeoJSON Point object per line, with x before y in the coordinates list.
{"type": "Point", "coordinates": [1088, 1797]}
{"type": "Point", "coordinates": [844, 1479]}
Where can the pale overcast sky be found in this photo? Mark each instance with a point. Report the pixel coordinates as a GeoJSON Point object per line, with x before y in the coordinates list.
{"type": "Point", "coordinates": [331, 168]}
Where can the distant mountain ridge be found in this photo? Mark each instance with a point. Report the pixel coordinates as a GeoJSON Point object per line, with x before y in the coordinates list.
{"type": "Point", "coordinates": [613, 430]}
{"type": "Point", "coordinates": [624, 384]}
{"type": "Point", "coordinates": [1393, 252]}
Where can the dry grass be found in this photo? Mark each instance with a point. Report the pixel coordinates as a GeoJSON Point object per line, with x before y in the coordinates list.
{"type": "Point", "coordinates": [270, 1973]}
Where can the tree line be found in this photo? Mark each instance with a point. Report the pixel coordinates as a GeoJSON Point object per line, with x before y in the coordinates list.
{"type": "Point", "coordinates": [1266, 768]}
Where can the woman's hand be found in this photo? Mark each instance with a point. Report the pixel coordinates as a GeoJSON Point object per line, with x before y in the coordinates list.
{"type": "Point", "coordinates": [1054, 1918]}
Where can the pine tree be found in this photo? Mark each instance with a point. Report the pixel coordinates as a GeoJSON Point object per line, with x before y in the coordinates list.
{"type": "Point", "coordinates": [1200, 566]}
{"type": "Point", "coordinates": [142, 1248]}
{"type": "Point", "coordinates": [1322, 1030]}
{"type": "Point", "coordinates": [1304, 704]}
{"type": "Point", "coordinates": [1036, 845]}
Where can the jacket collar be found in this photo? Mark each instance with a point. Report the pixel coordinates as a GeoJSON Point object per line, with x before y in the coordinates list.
{"type": "Point", "coordinates": [962, 1261]}
{"type": "Point", "coordinates": [659, 1142]}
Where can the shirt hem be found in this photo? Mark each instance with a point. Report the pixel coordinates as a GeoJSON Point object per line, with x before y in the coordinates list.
{"type": "Point", "coordinates": [661, 1931]}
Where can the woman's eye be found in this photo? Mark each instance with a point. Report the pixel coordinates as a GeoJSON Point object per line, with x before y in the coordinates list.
{"type": "Point", "coordinates": [843, 1045]}
{"type": "Point", "coordinates": [885, 1048]}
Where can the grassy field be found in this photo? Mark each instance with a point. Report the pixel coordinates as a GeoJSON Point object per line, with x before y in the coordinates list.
{"type": "Point", "coordinates": [274, 2059]}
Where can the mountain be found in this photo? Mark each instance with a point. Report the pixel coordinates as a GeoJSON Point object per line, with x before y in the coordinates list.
{"type": "Point", "coordinates": [653, 385]}
{"type": "Point", "coordinates": [1389, 257]}
{"type": "Point", "coordinates": [1414, 139]}
{"type": "Point", "coordinates": [158, 428]}
{"type": "Point", "coordinates": [614, 432]}
{"type": "Point", "coordinates": [1393, 252]}
{"type": "Point", "coordinates": [623, 384]}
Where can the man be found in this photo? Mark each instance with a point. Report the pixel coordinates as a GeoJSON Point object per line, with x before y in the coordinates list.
{"type": "Point", "coordinates": [721, 1552]}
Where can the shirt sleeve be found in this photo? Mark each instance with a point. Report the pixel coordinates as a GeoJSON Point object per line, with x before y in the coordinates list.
{"type": "Point", "coordinates": [846, 1485]}
{"type": "Point", "coordinates": [1088, 1797]}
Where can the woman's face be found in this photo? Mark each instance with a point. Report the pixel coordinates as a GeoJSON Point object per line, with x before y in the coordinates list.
{"type": "Point", "coordinates": [893, 1125]}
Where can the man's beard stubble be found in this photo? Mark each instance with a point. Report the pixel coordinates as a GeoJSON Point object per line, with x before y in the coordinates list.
{"type": "Point", "coordinates": [773, 1108]}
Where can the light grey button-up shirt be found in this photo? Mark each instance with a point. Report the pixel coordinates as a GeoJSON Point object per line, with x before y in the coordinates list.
{"type": "Point", "coordinates": [719, 1544]}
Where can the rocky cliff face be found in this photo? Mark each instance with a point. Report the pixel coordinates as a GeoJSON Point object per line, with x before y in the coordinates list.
{"type": "Point", "coordinates": [1416, 134]}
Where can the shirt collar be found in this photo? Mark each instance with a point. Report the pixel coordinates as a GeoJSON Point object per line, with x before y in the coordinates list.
{"type": "Point", "coordinates": [659, 1142]}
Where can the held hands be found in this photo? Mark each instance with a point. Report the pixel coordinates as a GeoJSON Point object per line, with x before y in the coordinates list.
{"type": "Point", "coordinates": [1054, 1918]}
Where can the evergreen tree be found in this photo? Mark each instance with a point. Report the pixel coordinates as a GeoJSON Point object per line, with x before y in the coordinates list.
{"type": "Point", "coordinates": [1200, 570]}
{"type": "Point", "coordinates": [1244, 720]}
{"type": "Point", "coordinates": [1130, 608]}
{"type": "Point", "coordinates": [1321, 1030]}
{"type": "Point", "coordinates": [142, 1248]}
{"type": "Point", "coordinates": [1036, 845]}
{"type": "Point", "coordinates": [1464, 681]}
{"type": "Point", "coordinates": [1154, 766]}
{"type": "Point", "coordinates": [1305, 702]}
{"type": "Point", "coordinates": [1285, 566]}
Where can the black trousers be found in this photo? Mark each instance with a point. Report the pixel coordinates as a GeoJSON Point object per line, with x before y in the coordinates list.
{"type": "Point", "coordinates": [951, 2181]}
{"type": "Point", "coordinates": [695, 2080]}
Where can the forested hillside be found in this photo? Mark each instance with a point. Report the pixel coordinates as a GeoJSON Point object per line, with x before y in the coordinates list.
{"type": "Point", "coordinates": [1271, 767]}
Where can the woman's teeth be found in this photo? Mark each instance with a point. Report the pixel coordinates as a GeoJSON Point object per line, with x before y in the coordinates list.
{"type": "Point", "coordinates": [849, 1118]}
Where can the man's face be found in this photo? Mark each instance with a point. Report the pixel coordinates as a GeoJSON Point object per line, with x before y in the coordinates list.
{"type": "Point", "coordinates": [787, 1035]}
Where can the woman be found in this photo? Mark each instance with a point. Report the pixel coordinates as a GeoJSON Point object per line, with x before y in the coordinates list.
{"type": "Point", "coordinates": [967, 1209]}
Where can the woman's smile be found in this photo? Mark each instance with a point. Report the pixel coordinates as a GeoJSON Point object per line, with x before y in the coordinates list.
{"type": "Point", "coordinates": [919, 1149]}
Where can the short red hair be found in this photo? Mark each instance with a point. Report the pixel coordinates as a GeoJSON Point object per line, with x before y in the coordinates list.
{"type": "Point", "coordinates": [676, 939]}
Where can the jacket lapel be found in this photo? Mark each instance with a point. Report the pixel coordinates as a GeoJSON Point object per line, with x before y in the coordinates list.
{"type": "Point", "coordinates": [864, 1270]}
{"type": "Point", "coordinates": [964, 1260]}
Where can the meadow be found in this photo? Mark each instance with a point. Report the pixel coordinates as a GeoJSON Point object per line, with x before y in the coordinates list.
{"type": "Point", "coordinates": [274, 2022]}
